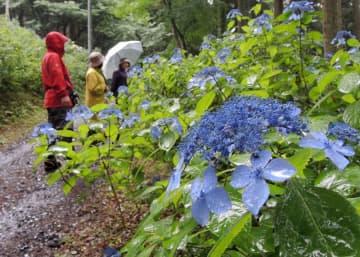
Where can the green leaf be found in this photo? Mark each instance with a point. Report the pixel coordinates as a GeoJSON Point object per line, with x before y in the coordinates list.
{"type": "Point", "coordinates": [98, 107]}
{"type": "Point", "coordinates": [69, 184]}
{"type": "Point", "coordinates": [83, 130]}
{"type": "Point", "coordinates": [67, 133]}
{"type": "Point", "coordinates": [226, 239]}
{"type": "Point", "coordinates": [205, 102]}
{"type": "Point", "coordinates": [301, 159]}
{"type": "Point", "coordinates": [167, 141]}
{"type": "Point", "coordinates": [353, 42]}
{"type": "Point", "coordinates": [349, 82]}
{"type": "Point", "coordinates": [313, 221]}
{"type": "Point", "coordinates": [352, 115]}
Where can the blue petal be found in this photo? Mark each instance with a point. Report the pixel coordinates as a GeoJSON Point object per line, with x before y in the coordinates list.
{"type": "Point", "coordinates": [242, 176]}
{"type": "Point", "coordinates": [340, 161]}
{"type": "Point", "coordinates": [218, 200]}
{"type": "Point", "coordinates": [196, 187]}
{"type": "Point", "coordinates": [311, 143]}
{"type": "Point", "coordinates": [210, 179]}
{"type": "Point", "coordinates": [255, 195]}
{"type": "Point", "coordinates": [174, 181]}
{"type": "Point", "coordinates": [200, 212]}
{"type": "Point", "coordinates": [260, 159]}
{"type": "Point", "coordinates": [344, 150]}
{"type": "Point", "coordinates": [279, 170]}
{"type": "Point", "coordinates": [319, 136]}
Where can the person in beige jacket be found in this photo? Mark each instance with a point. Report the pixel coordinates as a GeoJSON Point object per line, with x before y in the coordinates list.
{"type": "Point", "coordinates": [95, 81]}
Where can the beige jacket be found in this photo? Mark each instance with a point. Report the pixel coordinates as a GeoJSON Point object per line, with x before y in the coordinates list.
{"type": "Point", "coordinates": [95, 87]}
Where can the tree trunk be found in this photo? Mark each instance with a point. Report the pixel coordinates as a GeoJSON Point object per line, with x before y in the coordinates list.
{"type": "Point", "coordinates": [356, 14]}
{"type": "Point", "coordinates": [332, 22]}
{"type": "Point", "coordinates": [178, 36]}
{"type": "Point", "coordinates": [278, 7]}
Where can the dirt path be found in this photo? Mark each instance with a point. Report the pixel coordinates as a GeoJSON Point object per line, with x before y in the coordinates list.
{"type": "Point", "coordinates": [33, 216]}
{"type": "Point", "coordinates": [37, 220]}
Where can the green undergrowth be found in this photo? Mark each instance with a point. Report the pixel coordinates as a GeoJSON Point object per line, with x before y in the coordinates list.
{"type": "Point", "coordinates": [19, 113]}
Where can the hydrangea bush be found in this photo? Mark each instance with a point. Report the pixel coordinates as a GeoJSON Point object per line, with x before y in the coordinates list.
{"type": "Point", "coordinates": [262, 132]}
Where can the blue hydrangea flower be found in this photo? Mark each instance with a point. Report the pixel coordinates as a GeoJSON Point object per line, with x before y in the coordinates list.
{"type": "Point", "coordinates": [79, 112]}
{"type": "Point", "coordinates": [254, 178]}
{"type": "Point", "coordinates": [177, 56]}
{"type": "Point", "coordinates": [135, 71]}
{"type": "Point", "coordinates": [223, 54]}
{"type": "Point", "coordinates": [175, 177]}
{"type": "Point", "coordinates": [239, 126]}
{"type": "Point", "coordinates": [298, 8]}
{"type": "Point", "coordinates": [208, 75]}
{"type": "Point", "coordinates": [151, 59]}
{"type": "Point", "coordinates": [341, 38]}
{"type": "Point", "coordinates": [145, 104]}
{"type": "Point", "coordinates": [111, 252]}
{"type": "Point", "coordinates": [207, 197]}
{"type": "Point", "coordinates": [343, 132]}
{"type": "Point", "coordinates": [205, 45]}
{"type": "Point", "coordinates": [43, 129]}
{"type": "Point", "coordinates": [233, 13]}
{"type": "Point", "coordinates": [129, 123]}
{"type": "Point", "coordinates": [210, 37]}
{"type": "Point", "coordinates": [262, 22]}
{"type": "Point", "coordinates": [176, 126]}
{"type": "Point", "coordinates": [334, 150]}
{"type": "Point", "coordinates": [109, 112]}
{"type": "Point", "coordinates": [123, 90]}
{"type": "Point", "coordinates": [109, 94]}
{"type": "Point", "coordinates": [156, 131]}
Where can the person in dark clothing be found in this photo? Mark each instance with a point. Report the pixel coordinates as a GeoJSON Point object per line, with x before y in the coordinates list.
{"type": "Point", "coordinates": [56, 85]}
{"type": "Point", "coordinates": [119, 77]}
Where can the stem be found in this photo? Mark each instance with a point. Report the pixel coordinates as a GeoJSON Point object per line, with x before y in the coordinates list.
{"type": "Point", "coordinates": [145, 160]}
{"type": "Point", "coordinates": [302, 76]}
{"type": "Point", "coordinates": [320, 101]}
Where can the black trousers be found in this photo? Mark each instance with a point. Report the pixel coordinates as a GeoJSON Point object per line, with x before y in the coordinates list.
{"type": "Point", "coordinates": [57, 118]}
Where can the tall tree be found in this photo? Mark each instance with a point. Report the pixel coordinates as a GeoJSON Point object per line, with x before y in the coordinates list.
{"type": "Point", "coordinates": [332, 22]}
{"type": "Point", "coordinates": [278, 7]}
{"type": "Point", "coordinates": [356, 15]}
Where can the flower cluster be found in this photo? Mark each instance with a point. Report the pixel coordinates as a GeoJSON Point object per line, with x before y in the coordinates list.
{"type": "Point", "coordinates": [45, 129]}
{"type": "Point", "coordinates": [79, 112]}
{"type": "Point", "coordinates": [253, 178]}
{"type": "Point", "coordinates": [298, 8]}
{"type": "Point", "coordinates": [156, 130]}
{"type": "Point", "coordinates": [239, 126]}
{"type": "Point", "coordinates": [135, 71]}
{"type": "Point", "coordinates": [205, 45]}
{"type": "Point", "coordinates": [151, 59]}
{"type": "Point", "coordinates": [129, 122]}
{"type": "Point", "coordinates": [341, 38]}
{"type": "Point", "coordinates": [209, 75]}
{"type": "Point", "coordinates": [223, 54]}
{"type": "Point", "coordinates": [262, 22]}
{"type": "Point", "coordinates": [233, 13]}
{"type": "Point", "coordinates": [343, 132]}
{"type": "Point", "coordinates": [177, 56]}
{"type": "Point", "coordinates": [123, 90]}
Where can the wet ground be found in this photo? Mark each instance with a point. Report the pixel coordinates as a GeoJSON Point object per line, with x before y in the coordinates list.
{"type": "Point", "coordinates": [37, 220]}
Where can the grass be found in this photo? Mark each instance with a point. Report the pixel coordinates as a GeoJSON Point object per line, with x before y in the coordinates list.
{"type": "Point", "coordinates": [19, 113]}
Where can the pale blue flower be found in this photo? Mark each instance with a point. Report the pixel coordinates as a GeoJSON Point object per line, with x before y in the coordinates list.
{"type": "Point", "coordinates": [341, 38]}
{"type": "Point", "coordinates": [175, 177]}
{"type": "Point", "coordinates": [223, 54]}
{"type": "Point", "coordinates": [123, 90]}
{"type": "Point", "coordinates": [209, 75]}
{"type": "Point", "coordinates": [334, 150]}
{"type": "Point", "coordinates": [151, 59]}
{"type": "Point", "coordinates": [135, 71]}
{"type": "Point", "coordinates": [253, 178]}
{"type": "Point", "coordinates": [233, 13]}
{"type": "Point", "coordinates": [79, 112]}
{"type": "Point", "coordinates": [43, 129]}
{"type": "Point", "coordinates": [145, 104]}
{"type": "Point", "coordinates": [177, 56]}
{"type": "Point", "coordinates": [156, 132]}
{"type": "Point", "coordinates": [205, 45]}
{"type": "Point", "coordinates": [128, 123]}
{"type": "Point", "coordinates": [109, 112]}
{"type": "Point", "coordinates": [262, 22]}
{"type": "Point", "coordinates": [111, 252]}
{"type": "Point", "coordinates": [298, 8]}
{"type": "Point", "coordinates": [207, 197]}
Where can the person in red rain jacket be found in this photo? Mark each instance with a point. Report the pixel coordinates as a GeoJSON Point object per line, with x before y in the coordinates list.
{"type": "Point", "coordinates": [56, 84]}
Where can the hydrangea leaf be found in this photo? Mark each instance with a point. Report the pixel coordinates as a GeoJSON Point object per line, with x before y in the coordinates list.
{"type": "Point", "coordinates": [316, 215]}
{"type": "Point", "coordinates": [218, 200]}
{"type": "Point", "coordinates": [205, 102]}
{"type": "Point", "coordinates": [352, 116]}
{"type": "Point", "coordinates": [167, 141]}
{"type": "Point", "coordinates": [349, 82]}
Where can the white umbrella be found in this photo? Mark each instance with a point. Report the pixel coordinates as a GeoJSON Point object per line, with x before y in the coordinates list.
{"type": "Point", "coordinates": [127, 49]}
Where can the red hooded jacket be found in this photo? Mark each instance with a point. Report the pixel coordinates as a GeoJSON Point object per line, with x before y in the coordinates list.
{"type": "Point", "coordinates": [55, 76]}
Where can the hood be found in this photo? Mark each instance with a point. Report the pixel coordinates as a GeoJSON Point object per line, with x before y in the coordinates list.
{"type": "Point", "coordinates": [55, 41]}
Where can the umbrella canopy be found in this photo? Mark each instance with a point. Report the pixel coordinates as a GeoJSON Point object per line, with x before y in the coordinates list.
{"type": "Point", "coordinates": [127, 49]}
